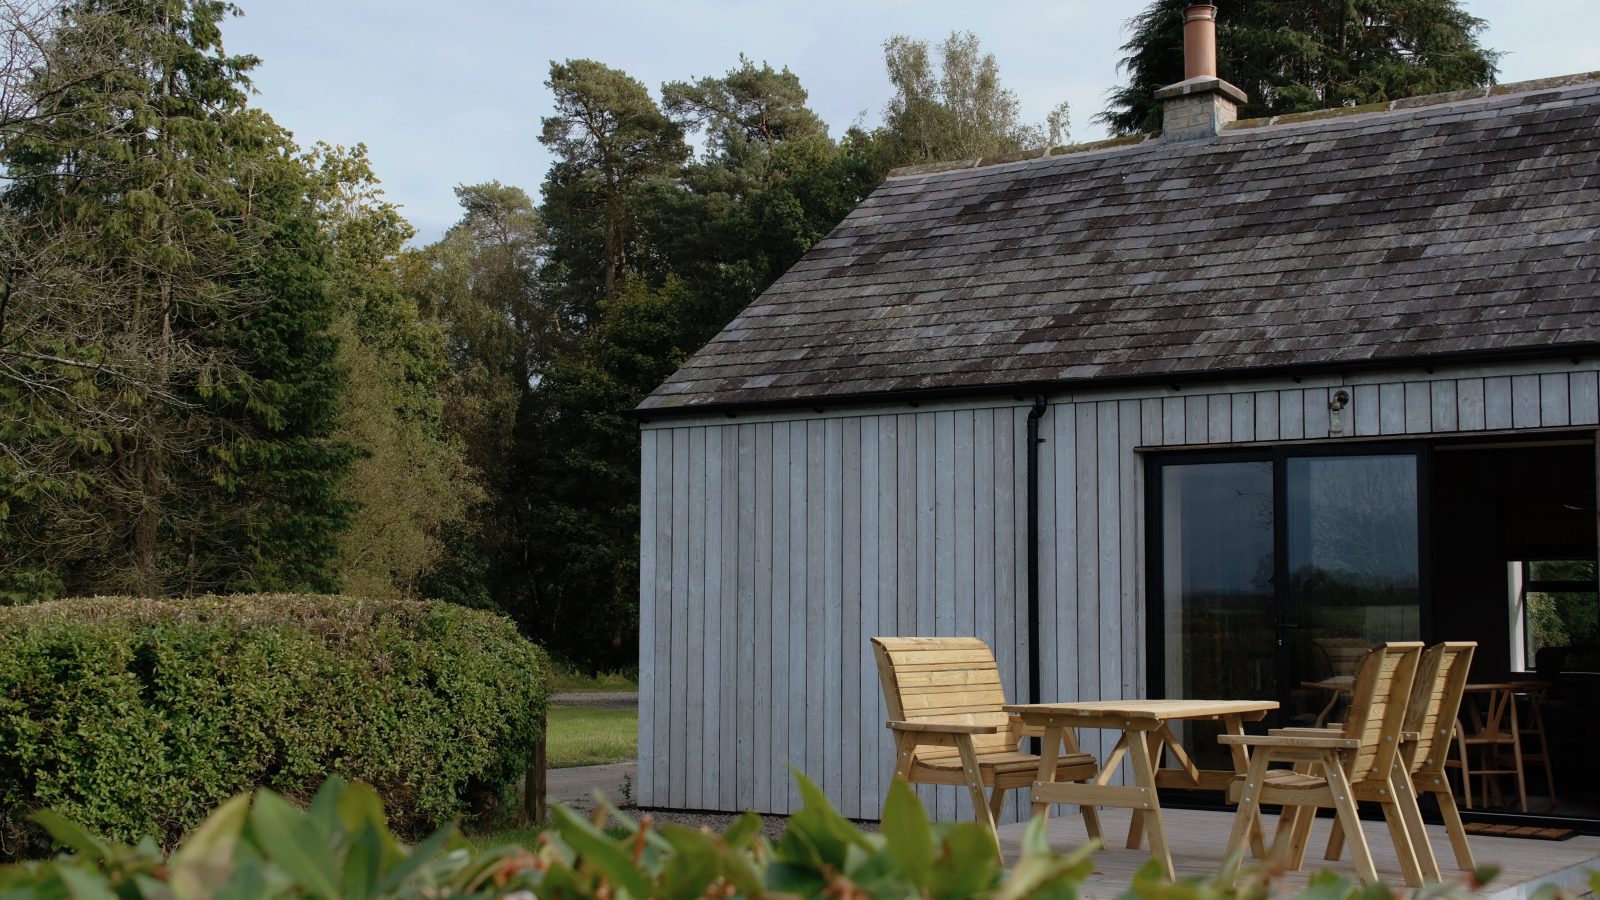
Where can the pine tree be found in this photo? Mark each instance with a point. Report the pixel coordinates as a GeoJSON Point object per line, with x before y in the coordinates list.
{"type": "Point", "coordinates": [613, 145]}
{"type": "Point", "coordinates": [770, 184]}
{"type": "Point", "coordinates": [1294, 56]}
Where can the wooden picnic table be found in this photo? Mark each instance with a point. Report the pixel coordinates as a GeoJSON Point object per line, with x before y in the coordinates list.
{"type": "Point", "coordinates": [1146, 727]}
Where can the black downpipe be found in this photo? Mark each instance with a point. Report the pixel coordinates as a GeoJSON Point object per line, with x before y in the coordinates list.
{"type": "Point", "coordinates": [1034, 686]}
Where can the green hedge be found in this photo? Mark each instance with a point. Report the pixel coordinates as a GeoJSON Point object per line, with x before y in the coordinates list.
{"type": "Point", "coordinates": [135, 717]}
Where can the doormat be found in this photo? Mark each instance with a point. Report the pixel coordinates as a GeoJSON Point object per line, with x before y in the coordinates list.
{"type": "Point", "coordinates": [1520, 831]}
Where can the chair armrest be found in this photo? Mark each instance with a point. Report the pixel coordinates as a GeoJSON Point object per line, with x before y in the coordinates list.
{"type": "Point", "coordinates": [1289, 741]}
{"type": "Point", "coordinates": [943, 728]}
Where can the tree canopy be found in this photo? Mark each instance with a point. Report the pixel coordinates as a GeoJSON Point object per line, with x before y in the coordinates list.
{"type": "Point", "coordinates": [949, 104]}
{"type": "Point", "coordinates": [165, 324]}
{"type": "Point", "coordinates": [226, 363]}
{"type": "Point", "coordinates": [1294, 56]}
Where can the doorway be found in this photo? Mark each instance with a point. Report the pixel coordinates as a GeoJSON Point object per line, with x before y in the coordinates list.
{"type": "Point", "coordinates": [1514, 566]}
{"type": "Point", "coordinates": [1272, 571]}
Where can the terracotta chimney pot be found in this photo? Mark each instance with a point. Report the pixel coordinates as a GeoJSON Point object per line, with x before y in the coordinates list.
{"type": "Point", "coordinates": [1199, 41]}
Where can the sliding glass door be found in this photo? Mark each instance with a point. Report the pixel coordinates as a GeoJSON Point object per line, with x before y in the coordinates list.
{"type": "Point", "coordinates": [1276, 572]}
{"type": "Point", "coordinates": [1352, 569]}
{"type": "Point", "coordinates": [1218, 609]}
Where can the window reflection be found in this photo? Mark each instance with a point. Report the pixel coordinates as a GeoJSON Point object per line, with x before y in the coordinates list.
{"type": "Point", "coordinates": [1217, 581]}
{"type": "Point", "coordinates": [1352, 563]}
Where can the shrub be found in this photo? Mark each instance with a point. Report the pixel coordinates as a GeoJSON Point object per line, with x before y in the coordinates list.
{"type": "Point", "coordinates": [136, 717]}
{"type": "Point", "coordinates": [262, 847]}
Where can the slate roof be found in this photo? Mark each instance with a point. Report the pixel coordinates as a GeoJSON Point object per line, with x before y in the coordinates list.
{"type": "Point", "coordinates": [1440, 228]}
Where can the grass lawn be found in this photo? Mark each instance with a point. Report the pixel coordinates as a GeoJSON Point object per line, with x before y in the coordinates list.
{"type": "Point", "coordinates": [589, 736]}
{"type": "Point", "coordinates": [571, 680]}
{"type": "Point", "coordinates": [527, 837]}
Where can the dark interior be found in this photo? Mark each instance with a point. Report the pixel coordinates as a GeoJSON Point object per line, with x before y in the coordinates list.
{"type": "Point", "coordinates": [1494, 507]}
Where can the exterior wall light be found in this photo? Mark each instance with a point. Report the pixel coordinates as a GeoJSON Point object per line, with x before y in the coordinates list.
{"type": "Point", "coordinates": [1341, 399]}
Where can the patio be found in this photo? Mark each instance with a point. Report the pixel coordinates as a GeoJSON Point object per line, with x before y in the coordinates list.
{"type": "Point", "coordinates": [1197, 839]}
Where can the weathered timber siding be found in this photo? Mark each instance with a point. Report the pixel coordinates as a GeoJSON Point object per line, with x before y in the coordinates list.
{"type": "Point", "coordinates": [790, 544]}
{"type": "Point", "coordinates": [773, 547]}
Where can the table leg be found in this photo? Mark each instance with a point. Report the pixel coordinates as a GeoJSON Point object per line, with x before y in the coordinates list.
{"type": "Point", "coordinates": [1049, 753]}
{"type": "Point", "coordinates": [1091, 815]}
{"type": "Point", "coordinates": [1144, 775]}
{"type": "Point", "coordinates": [1136, 824]}
{"type": "Point", "coordinates": [1241, 765]}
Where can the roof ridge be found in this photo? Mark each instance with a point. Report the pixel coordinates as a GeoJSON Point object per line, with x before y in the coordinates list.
{"type": "Point", "coordinates": [1421, 101]}
{"type": "Point", "coordinates": [1126, 140]}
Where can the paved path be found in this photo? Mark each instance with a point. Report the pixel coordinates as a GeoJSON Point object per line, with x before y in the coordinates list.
{"type": "Point", "coordinates": [602, 699]}
{"type": "Point", "coordinates": [575, 786]}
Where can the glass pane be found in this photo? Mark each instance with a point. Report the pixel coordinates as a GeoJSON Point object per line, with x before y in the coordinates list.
{"type": "Point", "coordinates": [1565, 621]}
{"type": "Point", "coordinates": [1561, 619]}
{"type": "Point", "coordinates": [1353, 569]}
{"type": "Point", "coordinates": [1216, 522]}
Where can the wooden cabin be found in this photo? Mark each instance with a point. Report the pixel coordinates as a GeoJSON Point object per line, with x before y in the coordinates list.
{"type": "Point", "coordinates": [1200, 414]}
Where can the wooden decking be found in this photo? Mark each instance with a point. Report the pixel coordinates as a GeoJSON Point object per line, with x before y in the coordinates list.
{"type": "Point", "coordinates": [1198, 839]}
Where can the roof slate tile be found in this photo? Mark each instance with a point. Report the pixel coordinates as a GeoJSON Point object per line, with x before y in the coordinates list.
{"type": "Point", "coordinates": [1469, 225]}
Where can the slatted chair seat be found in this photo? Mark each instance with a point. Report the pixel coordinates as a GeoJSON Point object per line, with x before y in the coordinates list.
{"type": "Point", "coordinates": [1008, 762]}
{"type": "Point", "coordinates": [945, 702]}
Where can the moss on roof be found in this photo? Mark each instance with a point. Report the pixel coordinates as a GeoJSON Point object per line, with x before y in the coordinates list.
{"type": "Point", "coordinates": [1319, 115]}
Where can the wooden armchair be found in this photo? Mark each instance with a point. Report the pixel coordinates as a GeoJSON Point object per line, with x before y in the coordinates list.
{"type": "Point", "coordinates": [1430, 718]}
{"type": "Point", "coordinates": [945, 698]}
{"type": "Point", "coordinates": [1336, 768]}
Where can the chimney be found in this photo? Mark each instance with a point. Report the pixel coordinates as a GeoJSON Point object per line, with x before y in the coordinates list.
{"type": "Point", "coordinates": [1201, 104]}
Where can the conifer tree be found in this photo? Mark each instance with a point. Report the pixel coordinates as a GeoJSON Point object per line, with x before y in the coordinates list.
{"type": "Point", "coordinates": [189, 367]}
{"type": "Point", "coordinates": [1296, 56]}
{"type": "Point", "coordinates": [613, 145]}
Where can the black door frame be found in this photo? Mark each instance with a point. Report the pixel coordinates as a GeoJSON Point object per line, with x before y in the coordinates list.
{"type": "Point", "coordinates": [1424, 446]}
{"type": "Point", "coordinates": [1278, 455]}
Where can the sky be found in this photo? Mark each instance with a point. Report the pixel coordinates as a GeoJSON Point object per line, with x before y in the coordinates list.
{"type": "Point", "coordinates": [452, 93]}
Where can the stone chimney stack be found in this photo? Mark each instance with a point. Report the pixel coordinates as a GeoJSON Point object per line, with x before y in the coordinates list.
{"type": "Point", "coordinates": [1201, 104]}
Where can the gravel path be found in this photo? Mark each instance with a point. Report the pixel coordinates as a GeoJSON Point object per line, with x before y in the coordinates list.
{"type": "Point", "coordinates": [602, 699]}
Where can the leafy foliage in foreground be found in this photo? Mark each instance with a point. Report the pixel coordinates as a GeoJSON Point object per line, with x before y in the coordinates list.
{"type": "Point", "coordinates": [262, 846]}
{"type": "Point", "coordinates": [136, 717]}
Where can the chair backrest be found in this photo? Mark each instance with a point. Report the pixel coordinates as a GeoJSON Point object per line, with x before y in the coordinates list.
{"type": "Point", "coordinates": [1378, 702]}
{"type": "Point", "coordinates": [939, 679]}
{"type": "Point", "coordinates": [1436, 701]}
